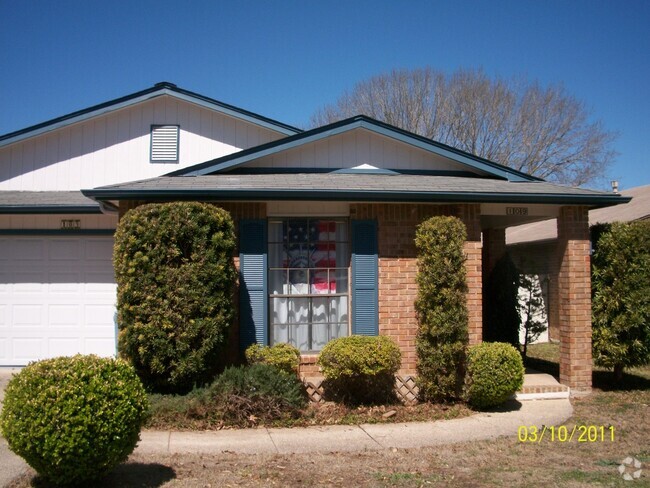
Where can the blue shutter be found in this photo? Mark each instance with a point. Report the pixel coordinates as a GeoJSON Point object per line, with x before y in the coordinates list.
{"type": "Point", "coordinates": [253, 297]}
{"type": "Point", "coordinates": [365, 297]}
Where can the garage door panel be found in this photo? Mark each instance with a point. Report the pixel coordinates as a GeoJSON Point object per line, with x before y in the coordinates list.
{"type": "Point", "coordinates": [25, 349]}
{"type": "Point", "coordinates": [98, 315]}
{"type": "Point", "coordinates": [64, 314]}
{"type": "Point", "coordinates": [98, 250]}
{"type": "Point", "coordinates": [26, 250]}
{"type": "Point", "coordinates": [56, 298]}
{"type": "Point", "coordinates": [63, 346]}
{"type": "Point", "coordinates": [4, 349]}
{"type": "Point", "coordinates": [64, 250]}
{"type": "Point", "coordinates": [27, 315]}
{"type": "Point", "coordinates": [102, 346]}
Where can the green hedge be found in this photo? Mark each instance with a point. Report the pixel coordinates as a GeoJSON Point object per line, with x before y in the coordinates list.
{"type": "Point", "coordinates": [175, 279]}
{"type": "Point", "coordinates": [495, 371]}
{"type": "Point", "coordinates": [441, 308]}
{"type": "Point", "coordinates": [621, 295]}
{"type": "Point", "coordinates": [283, 356]}
{"type": "Point", "coordinates": [74, 418]}
{"type": "Point", "coordinates": [360, 369]}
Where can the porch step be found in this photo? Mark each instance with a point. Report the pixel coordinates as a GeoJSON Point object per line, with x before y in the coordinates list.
{"type": "Point", "coordinates": [541, 386]}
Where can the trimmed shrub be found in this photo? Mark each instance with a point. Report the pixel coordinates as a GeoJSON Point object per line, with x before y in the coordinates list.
{"type": "Point", "coordinates": [441, 308]}
{"type": "Point", "coordinates": [260, 392]}
{"type": "Point", "coordinates": [283, 356]}
{"type": "Point", "coordinates": [360, 369]}
{"type": "Point", "coordinates": [74, 418]}
{"type": "Point", "coordinates": [175, 280]}
{"type": "Point", "coordinates": [621, 295]}
{"type": "Point", "coordinates": [495, 371]}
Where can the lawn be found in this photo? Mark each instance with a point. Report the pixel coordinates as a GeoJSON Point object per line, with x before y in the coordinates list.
{"type": "Point", "coordinates": [501, 462]}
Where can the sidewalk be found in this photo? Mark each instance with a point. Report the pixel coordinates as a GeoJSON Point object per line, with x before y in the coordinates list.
{"type": "Point", "coordinates": [359, 437]}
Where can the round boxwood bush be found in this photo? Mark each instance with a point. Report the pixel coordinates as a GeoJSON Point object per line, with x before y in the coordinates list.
{"type": "Point", "coordinates": [175, 279]}
{"type": "Point", "coordinates": [360, 369]}
{"type": "Point", "coordinates": [283, 356]}
{"type": "Point", "coordinates": [495, 371]}
{"type": "Point", "coordinates": [246, 395]}
{"type": "Point", "coordinates": [74, 418]}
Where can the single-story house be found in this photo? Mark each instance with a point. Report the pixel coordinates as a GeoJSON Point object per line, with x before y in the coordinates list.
{"type": "Point", "coordinates": [326, 220]}
{"type": "Point", "coordinates": [533, 246]}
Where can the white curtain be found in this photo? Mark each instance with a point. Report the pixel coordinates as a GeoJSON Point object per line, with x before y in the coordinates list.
{"type": "Point", "coordinates": [291, 315]}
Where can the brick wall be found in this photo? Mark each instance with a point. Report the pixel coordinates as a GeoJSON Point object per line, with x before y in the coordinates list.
{"type": "Point", "coordinates": [574, 298]}
{"type": "Point", "coordinates": [470, 215]}
{"type": "Point", "coordinates": [398, 269]}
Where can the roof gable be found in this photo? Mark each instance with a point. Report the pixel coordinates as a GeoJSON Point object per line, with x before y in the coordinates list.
{"type": "Point", "coordinates": [160, 89]}
{"type": "Point", "coordinates": [458, 160]}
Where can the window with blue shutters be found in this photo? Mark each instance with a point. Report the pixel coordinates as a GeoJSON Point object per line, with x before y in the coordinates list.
{"type": "Point", "coordinates": [365, 278]}
{"type": "Point", "coordinates": [253, 264]}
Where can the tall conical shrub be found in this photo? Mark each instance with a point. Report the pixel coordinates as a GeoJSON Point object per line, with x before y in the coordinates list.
{"type": "Point", "coordinates": [441, 308]}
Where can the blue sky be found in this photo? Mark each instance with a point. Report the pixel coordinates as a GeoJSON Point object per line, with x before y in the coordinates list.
{"type": "Point", "coordinates": [285, 59]}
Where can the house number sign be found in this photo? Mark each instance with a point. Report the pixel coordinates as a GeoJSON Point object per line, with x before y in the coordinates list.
{"type": "Point", "coordinates": [516, 210]}
{"type": "Point", "coordinates": [70, 224]}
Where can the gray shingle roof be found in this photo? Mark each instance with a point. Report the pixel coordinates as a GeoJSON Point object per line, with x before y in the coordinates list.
{"type": "Point", "coordinates": [46, 202]}
{"type": "Point", "coordinates": [362, 186]}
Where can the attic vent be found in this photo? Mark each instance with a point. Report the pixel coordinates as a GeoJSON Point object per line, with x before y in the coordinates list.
{"type": "Point", "coordinates": [164, 143]}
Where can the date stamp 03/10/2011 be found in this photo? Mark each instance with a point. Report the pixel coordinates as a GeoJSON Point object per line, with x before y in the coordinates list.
{"type": "Point", "coordinates": [563, 433]}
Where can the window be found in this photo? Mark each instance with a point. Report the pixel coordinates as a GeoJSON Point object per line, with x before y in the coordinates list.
{"type": "Point", "coordinates": [164, 143]}
{"type": "Point", "coordinates": [308, 281]}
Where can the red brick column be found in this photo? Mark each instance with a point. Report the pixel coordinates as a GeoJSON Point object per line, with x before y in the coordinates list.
{"type": "Point", "coordinates": [574, 298]}
{"type": "Point", "coordinates": [470, 215]}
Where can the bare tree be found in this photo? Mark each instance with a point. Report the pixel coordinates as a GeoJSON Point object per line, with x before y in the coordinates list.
{"type": "Point", "coordinates": [542, 131]}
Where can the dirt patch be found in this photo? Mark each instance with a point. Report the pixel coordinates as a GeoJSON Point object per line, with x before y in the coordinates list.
{"type": "Point", "coordinates": [325, 413]}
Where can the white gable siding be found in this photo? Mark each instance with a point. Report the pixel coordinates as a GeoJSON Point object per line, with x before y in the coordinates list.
{"type": "Point", "coordinates": [356, 148]}
{"type": "Point", "coordinates": [114, 148]}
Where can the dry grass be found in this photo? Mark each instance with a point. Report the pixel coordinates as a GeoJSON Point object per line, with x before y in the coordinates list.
{"type": "Point", "coordinates": [501, 462]}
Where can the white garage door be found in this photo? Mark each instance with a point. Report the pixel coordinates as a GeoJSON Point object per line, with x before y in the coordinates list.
{"type": "Point", "coordinates": [57, 297]}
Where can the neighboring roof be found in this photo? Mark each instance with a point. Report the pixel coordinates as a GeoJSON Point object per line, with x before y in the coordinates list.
{"type": "Point", "coordinates": [159, 89]}
{"type": "Point", "coordinates": [345, 186]}
{"type": "Point", "coordinates": [240, 158]}
{"type": "Point", "coordinates": [45, 202]}
{"type": "Point", "coordinates": [636, 209]}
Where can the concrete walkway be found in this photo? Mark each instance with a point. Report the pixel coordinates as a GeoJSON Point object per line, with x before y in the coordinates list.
{"type": "Point", "coordinates": [359, 437]}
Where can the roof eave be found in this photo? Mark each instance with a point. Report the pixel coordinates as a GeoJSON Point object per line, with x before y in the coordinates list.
{"type": "Point", "coordinates": [50, 209]}
{"type": "Point", "coordinates": [141, 96]}
{"type": "Point", "coordinates": [595, 201]}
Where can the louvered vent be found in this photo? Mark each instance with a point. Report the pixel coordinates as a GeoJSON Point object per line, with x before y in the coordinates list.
{"type": "Point", "coordinates": [164, 143]}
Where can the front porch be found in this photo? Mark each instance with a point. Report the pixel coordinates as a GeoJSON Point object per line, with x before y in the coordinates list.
{"type": "Point", "coordinates": [537, 386]}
